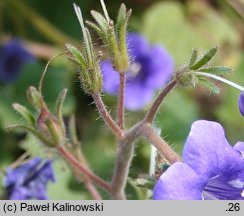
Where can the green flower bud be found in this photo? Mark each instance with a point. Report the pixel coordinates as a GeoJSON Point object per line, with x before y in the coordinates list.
{"type": "Point", "coordinates": [90, 73]}
{"type": "Point", "coordinates": [48, 125]}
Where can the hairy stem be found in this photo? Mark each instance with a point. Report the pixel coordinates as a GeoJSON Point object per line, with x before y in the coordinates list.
{"type": "Point", "coordinates": [89, 185]}
{"type": "Point", "coordinates": [79, 168]}
{"type": "Point", "coordinates": [92, 189]}
{"type": "Point", "coordinates": [123, 161]}
{"type": "Point", "coordinates": [156, 104]}
{"type": "Point", "coordinates": [120, 112]}
{"type": "Point", "coordinates": [119, 133]}
{"type": "Point", "coordinates": [149, 133]}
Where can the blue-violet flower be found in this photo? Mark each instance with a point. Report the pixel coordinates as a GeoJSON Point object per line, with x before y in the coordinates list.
{"type": "Point", "coordinates": [29, 181]}
{"type": "Point", "coordinates": [241, 103]}
{"type": "Point", "coordinates": [12, 58]}
{"type": "Point", "coordinates": [150, 69]}
{"type": "Point", "coordinates": [211, 168]}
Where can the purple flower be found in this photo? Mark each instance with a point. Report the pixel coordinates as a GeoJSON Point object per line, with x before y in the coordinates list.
{"type": "Point", "coordinates": [12, 58]}
{"type": "Point", "coordinates": [150, 69]}
{"type": "Point", "coordinates": [241, 103]}
{"type": "Point", "coordinates": [29, 181]}
{"type": "Point", "coordinates": [212, 168]}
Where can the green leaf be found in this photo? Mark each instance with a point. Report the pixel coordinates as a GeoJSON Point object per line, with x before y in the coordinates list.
{"type": "Point", "coordinates": [218, 70]}
{"type": "Point", "coordinates": [205, 59]}
{"type": "Point", "coordinates": [212, 87]}
{"type": "Point", "coordinates": [25, 113]}
{"type": "Point", "coordinates": [193, 57]}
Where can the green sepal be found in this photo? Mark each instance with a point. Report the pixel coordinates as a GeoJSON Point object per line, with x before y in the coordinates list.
{"type": "Point", "coordinates": [25, 113]}
{"type": "Point", "coordinates": [121, 18]}
{"type": "Point", "coordinates": [96, 28]}
{"type": "Point", "coordinates": [91, 58]}
{"type": "Point", "coordinates": [33, 131]}
{"type": "Point", "coordinates": [211, 86]}
{"type": "Point", "coordinates": [205, 59]}
{"type": "Point", "coordinates": [59, 107]}
{"type": "Point", "coordinates": [100, 20]}
{"type": "Point", "coordinates": [121, 26]}
{"type": "Point", "coordinates": [193, 57]}
{"type": "Point", "coordinates": [77, 55]}
{"type": "Point", "coordinates": [35, 98]}
{"type": "Point", "coordinates": [54, 131]}
{"type": "Point", "coordinates": [72, 131]}
{"type": "Point", "coordinates": [218, 70]}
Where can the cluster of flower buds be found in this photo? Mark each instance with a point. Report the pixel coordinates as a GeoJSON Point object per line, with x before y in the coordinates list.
{"type": "Point", "coordinates": [113, 37]}
{"type": "Point", "coordinates": [48, 128]}
{"type": "Point", "coordinates": [196, 71]}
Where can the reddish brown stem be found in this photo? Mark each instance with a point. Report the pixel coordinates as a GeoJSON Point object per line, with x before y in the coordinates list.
{"type": "Point", "coordinates": [148, 132]}
{"type": "Point", "coordinates": [82, 169]}
{"type": "Point", "coordinates": [107, 118]}
{"type": "Point", "coordinates": [120, 112]}
{"type": "Point", "coordinates": [156, 104]}
{"type": "Point", "coordinates": [93, 191]}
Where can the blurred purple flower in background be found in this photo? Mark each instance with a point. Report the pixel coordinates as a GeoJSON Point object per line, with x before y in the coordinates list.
{"type": "Point", "coordinates": [29, 181]}
{"type": "Point", "coordinates": [241, 103]}
{"type": "Point", "coordinates": [12, 58]}
{"type": "Point", "coordinates": [212, 168]}
{"type": "Point", "coordinates": [150, 69]}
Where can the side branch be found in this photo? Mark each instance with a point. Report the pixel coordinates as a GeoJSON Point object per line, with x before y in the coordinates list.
{"type": "Point", "coordinates": [82, 169]}
{"type": "Point", "coordinates": [149, 133]}
{"type": "Point", "coordinates": [156, 104]}
{"type": "Point", "coordinates": [107, 118]}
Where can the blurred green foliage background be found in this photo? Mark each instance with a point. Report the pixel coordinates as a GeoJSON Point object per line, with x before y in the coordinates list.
{"type": "Point", "coordinates": [45, 26]}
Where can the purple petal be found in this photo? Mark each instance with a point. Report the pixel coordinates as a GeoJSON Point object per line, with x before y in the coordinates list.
{"type": "Point", "coordinates": [13, 57]}
{"type": "Point", "coordinates": [137, 45]}
{"type": "Point", "coordinates": [20, 193]}
{"type": "Point", "coordinates": [241, 103]}
{"type": "Point", "coordinates": [18, 175]}
{"type": "Point", "coordinates": [29, 181]}
{"type": "Point", "coordinates": [160, 66]}
{"type": "Point", "coordinates": [207, 151]}
{"type": "Point", "coordinates": [136, 96]}
{"type": "Point", "coordinates": [110, 77]}
{"type": "Point", "coordinates": [46, 173]}
{"type": "Point", "coordinates": [227, 186]}
{"type": "Point", "coordinates": [179, 182]}
{"type": "Point", "coordinates": [240, 147]}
